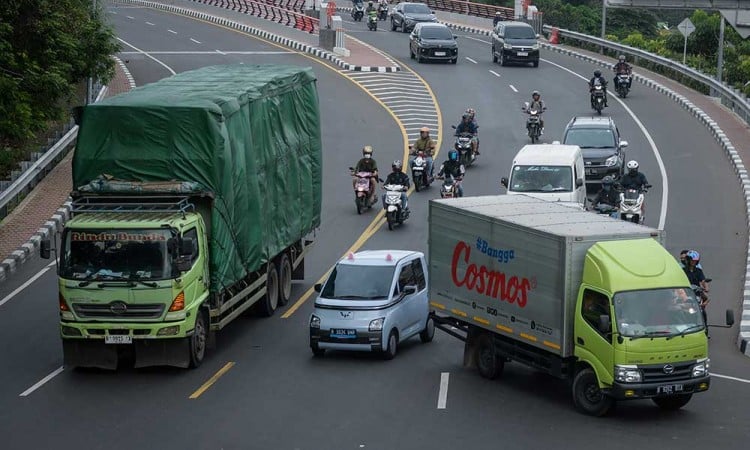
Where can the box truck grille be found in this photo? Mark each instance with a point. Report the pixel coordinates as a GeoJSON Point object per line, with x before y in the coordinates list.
{"type": "Point", "coordinates": [119, 311]}
{"type": "Point", "coordinates": [656, 373]}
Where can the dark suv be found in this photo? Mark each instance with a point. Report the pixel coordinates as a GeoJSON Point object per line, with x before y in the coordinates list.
{"type": "Point", "coordinates": [515, 42]}
{"type": "Point", "coordinates": [407, 15]}
{"type": "Point", "coordinates": [433, 41]}
{"type": "Point", "coordinates": [601, 144]}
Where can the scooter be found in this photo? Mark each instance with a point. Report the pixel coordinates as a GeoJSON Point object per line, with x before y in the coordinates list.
{"type": "Point", "coordinates": [358, 11]}
{"type": "Point", "coordinates": [363, 198]}
{"type": "Point", "coordinates": [419, 175]}
{"type": "Point", "coordinates": [449, 189]}
{"type": "Point", "coordinates": [372, 21]}
{"type": "Point", "coordinates": [623, 84]}
{"type": "Point", "coordinates": [597, 98]}
{"type": "Point", "coordinates": [631, 204]}
{"type": "Point", "coordinates": [395, 213]}
{"type": "Point", "coordinates": [463, 147]}
{"type": "Point", "coordinates": [533, 122]}
{"type": "Point", "coordinates": [382, 11]}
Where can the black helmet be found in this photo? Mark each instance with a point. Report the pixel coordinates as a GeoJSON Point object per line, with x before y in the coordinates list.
{"type": "Point", "coordinates": [608, 180]}
{"type": "Point", "coordinates": [597, 73]}
{"type": "Point", "coordinates": [452, 155]}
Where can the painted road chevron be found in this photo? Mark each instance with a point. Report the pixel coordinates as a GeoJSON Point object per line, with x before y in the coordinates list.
{"type": "Point", "coordinates": [406, 95]}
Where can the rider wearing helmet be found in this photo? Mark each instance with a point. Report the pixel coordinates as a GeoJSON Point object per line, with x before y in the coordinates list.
{"type": "Point", "coordinates": [468, 126]}
{"type": "Point", "coordinates": [633, 179]}
{"type": "Point", "coordinates": [452, 167]}
{"type": "Point", "coordinates": [426, 145]}
{"type": "Point", "coordinates": [498, 18]}
{"type": "Point", "coordinates": [622, 67]}
{"type": "Point", "coordinates": [400, 178]}
{"type": "Point", "coordinates": [538, 104]}
{"type": "Point", "coordinates": [696, 277]}
{"type": "Point", "coordinates": [368, 164]}
{"type": "Point", "coordinates": [607, 195]}
{"type": "Point", "coordinates": [598, 79]}
{"type": "Point", "coordinates": [472, 116]}
{"type": "Point", "coordinates": [371, 8]}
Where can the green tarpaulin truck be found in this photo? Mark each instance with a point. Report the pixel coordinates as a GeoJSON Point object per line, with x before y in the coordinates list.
{"type": "Point", "coordinates": [580, 296]}
{"type": "Point", "coordinates": [195, 198]}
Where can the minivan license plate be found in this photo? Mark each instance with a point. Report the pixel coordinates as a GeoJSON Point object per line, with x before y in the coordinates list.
{"type": "Point", "coordinates": [669, 389]}
{"type": "Point", "coordinates": [118, 339]}
{"type": "Point", "coordinates": [343, 334]}
{"type": "Point", "coordinates": [523, 54]}
{"type": "Point", "coordinates": [439, 53]}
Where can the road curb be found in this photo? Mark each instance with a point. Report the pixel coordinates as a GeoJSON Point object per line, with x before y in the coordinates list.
{"type": "Point", "coordinates": [287, 42]}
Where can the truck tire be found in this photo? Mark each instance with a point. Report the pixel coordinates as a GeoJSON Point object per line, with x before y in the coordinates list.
{"type": "Point", "coordinates": [197, 342]}
{"type": "Point", "coordinates": [587, 396]}
{"type": "Point", "coordinates": [391, 348]}
{"type": "Point", "coordinates": [285, 279]}
{"type": "Point", "coordinates": [672, 403]}
{"type": "Point", "coordinates": [270, 301]}
{"type": "Point", "coordinates": [428, 333]}
{"type": "Point", "coordinates": [489, 363]}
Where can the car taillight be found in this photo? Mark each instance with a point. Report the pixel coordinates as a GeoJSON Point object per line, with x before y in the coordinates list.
{"type": "Point", "coordinates": [61, 301]}
{"type": "Point", "coordinates": [178, 304]}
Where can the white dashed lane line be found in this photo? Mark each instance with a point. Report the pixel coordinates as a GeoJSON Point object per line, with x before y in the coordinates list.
{"type": "Point", "coordinates": [495, 73]}
{"type": "Point", "coordinates": [470, 60]}
{"type": "Point", "coordinates": [172, 31]}
{"type": "Point", "coordinates": [513, 87]}
{"type": "Point", "coordinates": [197, 42]}
{"type": "Point", "coordinates": [149, 23]}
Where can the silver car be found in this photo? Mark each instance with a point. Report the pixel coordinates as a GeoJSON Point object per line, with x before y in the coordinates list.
{"type": "Point", "coordinates": [372, 301]}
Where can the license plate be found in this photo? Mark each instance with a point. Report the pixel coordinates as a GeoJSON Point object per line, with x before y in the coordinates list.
{"type": "Point", "coordinates": [418, 168]}
{"type": "Point", "coordinates": [343, 334]}
{"type": "Point", "coordinates": [523, 54]}
{"type": "Point", "coordinates": [118, 339]}
{"type": "Point", "coordinates": [669, 389]}
{"type": "Point", "coordinates": [439, 53]}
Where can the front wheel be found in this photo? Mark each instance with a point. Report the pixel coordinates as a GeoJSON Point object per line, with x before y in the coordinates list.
{"type": "Point", "coordinates": [454, 60]}
{"type": "Point", "coordinates": [391, 347]}
{"type": "Point", "coordinates": [672, 403]}
{"type": "Point", "coordinates": [587, 396]}
{"type": "Point", "coordinates": [197, 342]}
{"type": "Point", "coordinates": [428, 333]}
{"type": "Point", "coordinates": [317, 351]}
{"type": "Point", "coordinates": [494, 56]}
{"type": "Point", "coordinates": [393, 25]}
{"type": "Point", "coordinates": [536, 63]}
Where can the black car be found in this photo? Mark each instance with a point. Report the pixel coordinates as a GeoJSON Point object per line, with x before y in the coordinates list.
{"type": "Point", "coordinates": [433, 41]}
{"type": "Point", "coordinates": [515, 42]}
{"type": "Point", "coordinates": [407, 15]}
{"type": "Point", "coordinates": [602, 147]}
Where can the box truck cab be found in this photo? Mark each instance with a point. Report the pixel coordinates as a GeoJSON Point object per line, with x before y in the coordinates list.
{"type": "Point", "coordinates": [552, 172]}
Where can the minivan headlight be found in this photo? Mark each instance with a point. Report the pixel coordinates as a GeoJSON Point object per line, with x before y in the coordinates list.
{"type": "Point", "coordinates": [507, 46]}
{"type": "Point", "coordinates": [627, 374]}
{"type": "Point", "coordinates": [611, 161]}
{"type": "Point", "coordinates": [314, 321]}
{"type": "Point", "coordinates": [535, 46]}
{"type": "Point", "coordinates": [701, 369]}
{"type": "Point", "coordinates": [376, 324]}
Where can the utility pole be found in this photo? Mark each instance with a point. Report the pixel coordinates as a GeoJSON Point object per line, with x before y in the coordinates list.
{"type": "Point", "coordinates": [90, 81]}
{"type": "Point", "coordinates": [720, 62]}
{"type": "Point", "coordinates": [604, 23]}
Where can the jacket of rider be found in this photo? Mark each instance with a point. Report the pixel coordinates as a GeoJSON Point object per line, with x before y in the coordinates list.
{"type": "Point", "coordinates": [366, 165]}
{"type": "Point", "coordinates": [623, 67]}
{"type": "Point", "coordinates": [609, 197]}
{"type": "Point", "coordinates": [602, 81]}
{"type": "Point", "coordinates": [452, 168]}
{"type": "Point", "coordinates": [398, 178]}
{"type": "Point", "coordinates": [427, 145]}
{"type": "Point", "coordinates": [539, 106]}
{"type": "Point", "coordinates": [635, 181]}
{"type": "Point", "coordinates": [465, 127]}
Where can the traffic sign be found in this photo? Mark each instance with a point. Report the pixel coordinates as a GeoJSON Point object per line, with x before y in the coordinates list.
{"type": "Point", "coordinates": [739, 19]}
{"type": "Point", "coordinates": [686, 27]}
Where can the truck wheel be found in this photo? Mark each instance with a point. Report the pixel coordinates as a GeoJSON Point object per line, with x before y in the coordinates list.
{"type": "Point", "coordinates": [587, 396]}
{"type": "Point", "coordinates": [672, 403]}
{"type": "Point", "coordinates": [490, 365]}
{"type": "Point", "coordinates": [270, 301]}
{"type": "Point", "coordinates": [197, 342]}
{"type": "Point", "coordinates": [428, 333]}
{"type": "Point", "coordinates": [285, 279]}
{"type": "Point", "coordinates": [392, 346]}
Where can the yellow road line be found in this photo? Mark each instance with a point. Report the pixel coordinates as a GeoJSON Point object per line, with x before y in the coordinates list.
{"type": "Point", "coordinates": [211, 380]}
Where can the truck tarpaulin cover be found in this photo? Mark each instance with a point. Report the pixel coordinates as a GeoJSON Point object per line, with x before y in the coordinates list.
{"type": "Point", "coordinates": [249, 134]}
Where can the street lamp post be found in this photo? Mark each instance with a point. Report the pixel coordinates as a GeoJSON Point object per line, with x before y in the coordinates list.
{"type": "Point", "coordinates": [604, 23]}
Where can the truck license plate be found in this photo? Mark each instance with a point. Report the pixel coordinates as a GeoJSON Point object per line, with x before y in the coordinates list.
{"type": "Point", "coordinates": [343, 334]}
{"type": "Point", "coordinates": [669, 389]}
{"type": "Point", "coordinates": [523, 54]}
{"type": "Point", "coordinates": [118, 339]}
{"type": "Point", "coordinates": [439, 53]}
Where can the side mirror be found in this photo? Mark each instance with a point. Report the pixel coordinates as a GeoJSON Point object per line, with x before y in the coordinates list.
{"type": "Point", "coordinates": [525, 105]}
{"type": "Point", "coordinates": [504, 182]}
{"type": "Point", "coordinates": [45, 248]}
{"type": "Point", "coordinates": [730, 318]}
{"type": "Point", "coordinates": [623, 144]}
{"type": "Point", "coordinates": [409, 290]}
{"type": "Point", "coordinates": [605, 325]}
{"type": "Point", "coordinates": [187, 246]}
{"type": "Point", "coordinates": [579, 182]}
{"type": "Point", "coordinates": [318, 287]}
{"type": "Point", "coordinates": [352, 169]}
{"type": "Point", "coordinates": [537, 35]}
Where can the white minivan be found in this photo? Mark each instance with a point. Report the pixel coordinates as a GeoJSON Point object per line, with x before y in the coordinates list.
{"type": "Point", "coordinates": [552, 172]}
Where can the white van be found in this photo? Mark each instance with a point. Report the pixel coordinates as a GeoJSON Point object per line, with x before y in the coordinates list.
{"type": "Point", "coordinates": [552, 172]}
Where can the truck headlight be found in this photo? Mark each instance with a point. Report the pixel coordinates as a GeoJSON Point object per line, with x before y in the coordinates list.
{"type": "Point", "coordinates": [701, 369]}
{"type": "Point", "coordinates": [314, 321]}
{"type": "Point", "coordinates": [627, 374]}
{"type": "Point", "coordinates": [376, 325]}
{"type": "Point", "coordinates": [611, 161]}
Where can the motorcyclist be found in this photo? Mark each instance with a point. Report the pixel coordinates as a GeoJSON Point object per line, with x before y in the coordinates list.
{"type": "Point", "coordinates": [598, 78]}
{"type": "Point", "coordinates": [498, 17]}
{"type": "Point", "coordinates": [452, 167]}
{"type": "Point", "coordinates": [607, 195]}
{"type": "Point", "coordinates": [633, 179]}
{"type": "Point", "coordinates": [472, 116]}
{"type": "Point", "coordinates": [683, 259]}
{"type": "Point", "coordinates": [696, 277]}
{"type": "Point", "coordinates": [622, 67]}
{"type": "Point", "coordinates": [397, 176]}
{"type": "Point", "coordinates": [367, 164]}
{"type": "Point", "coordinates": [370, 9]}
{"type": "Point", "coordinates": [426, 145]}
{"type": "Point", "coordinates": [538, 104]}
{"type": "Point", "coordinates": [467, 126]}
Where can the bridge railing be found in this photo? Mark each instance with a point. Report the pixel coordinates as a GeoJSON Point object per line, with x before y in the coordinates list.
{"type": "Point", "coordinates": [267, 10]}
{"type": "Point", "coordinates": [469, 8]}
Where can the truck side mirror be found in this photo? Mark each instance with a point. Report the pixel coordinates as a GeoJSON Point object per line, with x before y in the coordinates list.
{"type": "Point", "coordinates": [605, 325]}
{"type": "Point", "coordinates": [579, 182]}
{"type": "Point", "coordinates": [187, 246]}
{"type": "Point", "coordinates": [45, 248]}
{"type": "Point", "coordinates": [504, 182]}
{"type": "Point", "coordinates": [730, 318]}
{"type": "Point", "coordinates": [318, 287]}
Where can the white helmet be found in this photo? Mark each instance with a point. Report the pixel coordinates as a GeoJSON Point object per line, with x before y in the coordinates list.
{"type": "Point", "coordinates": [633, 165]}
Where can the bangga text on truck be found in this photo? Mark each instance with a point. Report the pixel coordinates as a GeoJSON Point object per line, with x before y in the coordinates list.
{"type": "Point", "coordinates": [195, 198]}
{"type": "Point", "coordinates": [583, 297]}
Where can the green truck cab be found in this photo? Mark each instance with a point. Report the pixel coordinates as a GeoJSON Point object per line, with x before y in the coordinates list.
{"type": "Point", "coordinates": [190, 208]}
{"type": "Point", "coordinates": [583, 297]}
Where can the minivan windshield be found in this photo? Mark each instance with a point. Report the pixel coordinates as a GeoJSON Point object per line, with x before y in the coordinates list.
{"type": "Point", "coordinates": [359, 282]}
{"type": "Point", "coordinates": [519, 33]}
{"type": "Point", "coordinates": [436, 33]}
{"type": "Point", "coordinates": [657, 312]}
{"type": "Point", "coordinates": [541, 179]}
{"type": "Point", "coordinates": [591, 137]}
{"type": "Point", "coordinates": [417, 9]}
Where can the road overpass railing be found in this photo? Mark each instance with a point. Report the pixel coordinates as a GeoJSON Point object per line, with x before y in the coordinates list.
{"type": "Point", "coordinates": [269, 11]}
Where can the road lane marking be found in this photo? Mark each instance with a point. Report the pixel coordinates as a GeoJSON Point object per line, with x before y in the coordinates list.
{"type": "Point", "coordinates": [207, 52]}
{"type": "Point", "coordinates": [727, 377]}
{"type": "Point", "coordinates": [495, 73]}
{"type": "Point", "coordinates": [211, 380]}
{"type": "Point", "coordinates": [443, 393]}
{"type": "Point", "coordinates": [130, 17]}
{"type": "Point", "coordinates": [172, 31]}
{"type": "Point", "coordinates": [197, 42]}
{"type": "Point", "coordinates": [654, 149]}
{"type": "Point", "coordinates": [148, 55]}
{"type": "Point", "coordinates": [149, 23]}
{"type": "Point", "coordinates": [476, 39]}
{"type": "Point", "coordinates": [470, 60]}
{"type": "Point", "coordinates": [513, 87]}
{"type": "Point", "coordinates": [41, 382]}
{"type": "Point", "coordinates": [28, 282]}
{"type": "Point", "coordinates": [220, 52]}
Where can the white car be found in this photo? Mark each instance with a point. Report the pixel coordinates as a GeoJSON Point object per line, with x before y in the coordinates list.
{"type": "Point", "coordinates": [372, 301]}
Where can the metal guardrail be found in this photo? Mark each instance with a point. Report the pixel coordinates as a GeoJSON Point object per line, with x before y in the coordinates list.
{"type": "Point", "coordinates": [730, 97]}
{"type": "Point", "coordinates": [269, 11]}
{"type": "Point", "coordinates": [469, 8]}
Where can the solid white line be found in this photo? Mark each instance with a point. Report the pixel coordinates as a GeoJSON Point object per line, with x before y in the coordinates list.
{"type": "Point", "coordinates": [149, 23]}
{"type": "Point", "coordinates": [130, 17]}
{"type": "Point", "coordinates": [206, 52]}
{"type": "Point", "coordinates": [475, 39]}
{"type": "Point", "coordinates": [41, 382]}
{"type": "Point", "coordinates": [172, 31]}
{"type": "Point", "coordinates": [148, 56]}
{"type": "Point", "coordinates": [197, 42]}
{"type": "Point", "coordinates": [471, 60]}
{"type": "Point", "coordinates": [24, 286]}
{"type": "Point", "coordinates": [495, 73]}
{"type": "Point", "coordinates": [660, 162]}
{"type": "Point", "coordinates": [513, 87]}
{"type": "Point", "coordinates": [220, 52]}
{"type": "Point", "coordinates": [727, 377]}
{"type": "Point", "coordinates": [443, 394]}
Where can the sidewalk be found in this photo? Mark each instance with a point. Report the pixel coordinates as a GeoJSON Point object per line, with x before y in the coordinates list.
{"type": "Point", "coordinates": [32, 218]}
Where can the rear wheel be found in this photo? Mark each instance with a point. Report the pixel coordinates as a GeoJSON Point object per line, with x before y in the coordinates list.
{"type": "Point", "coordinates": [270, 301]}
{"type": "Point", "coordinates": [587, 396]}
{"type": "Point", "coordinates": [197, 342]}
{"type": "Point", "coordinates": [672, 403]}
{"type": "Point", "coordinates": [417, 182]}
{"type": "Point", "coordinates": [490, 365]}
{"type": "Point", "coordinates": [285, 279]}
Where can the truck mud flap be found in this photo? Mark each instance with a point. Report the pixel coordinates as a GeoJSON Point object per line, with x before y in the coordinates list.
{"type": "Point", "coordinates": [162, 352]}
{"type": "Point", "coordinates": [89, 353]}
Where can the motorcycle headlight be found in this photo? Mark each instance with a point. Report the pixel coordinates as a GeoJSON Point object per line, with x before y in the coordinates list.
{"type": "Point", "coordinates": [611, 161]}
{"type": "Point", "coordinates": [627, 374]}
{"type": "Point", "coordinates": [314, 321]}
{"type": "Point", "coordinates": [507, 46]}
{"type": "Point", "coordinates": [376, 324]}
{"type": "Point", "coordinates": [701, 369]}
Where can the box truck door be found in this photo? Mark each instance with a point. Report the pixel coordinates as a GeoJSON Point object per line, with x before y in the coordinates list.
{"type": "Point", "coordinates": [593, 331]}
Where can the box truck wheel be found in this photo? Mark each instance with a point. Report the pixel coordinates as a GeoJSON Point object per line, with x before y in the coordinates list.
{"type": "Point", "coordinates": [489, 363]}
{"type": "Point", "coordinates": [198, 340]}
{"type": "Point", "coordinates": [587, 396]}
{"type": "Point", "coordinates": [672, 403]}
{"type": "Point", "coordinates": [270, 301]}
{"type": "Point", "coordinates": [285, 279]}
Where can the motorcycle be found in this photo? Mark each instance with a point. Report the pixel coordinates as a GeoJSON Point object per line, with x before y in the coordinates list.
{"type": "Point", "coordinates": [631, 204]}
{"type": "Point", "coordinates": [622, 84]}
{"type": "Point", "coordinates": [358, 11]}
{"type": "Point", "coordinates": [419, 175]}
{"type": "Point", "coordinates": [533, 122]}
{"type": "Point", "coordinates": [363, 198]}
{"type": "Point", "coordinates": [463, 147]}
{"type": "Point", "coordinates": [449, 189]}
{"type": "Point", "coordinates": [395, 214]}
{"type": "Point", "coordinates": [597, 98]}
{"type": "Point", "coordinates": [607, 210]}
{"type": "Point", "coordinates": [372, 21]}
{"type": "Point", "coordinates": [382, 12]}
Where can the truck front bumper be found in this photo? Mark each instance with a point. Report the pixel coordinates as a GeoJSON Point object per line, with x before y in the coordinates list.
{"type": "Point", "coordinates": [627, 391]}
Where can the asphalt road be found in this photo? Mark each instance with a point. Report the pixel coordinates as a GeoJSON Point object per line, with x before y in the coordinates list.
{"type": "Point", "coordinates": [276, 396]}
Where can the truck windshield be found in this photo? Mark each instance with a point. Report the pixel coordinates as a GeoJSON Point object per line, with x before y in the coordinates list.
{"type": "Point", "coordinates": [541, 179]}
{"type": "Point", "coordinates": [657, 312]}
{"type": "Point", "coordinates": [358, 282]}
{"type": "Point", "coordinates": [115, 254]}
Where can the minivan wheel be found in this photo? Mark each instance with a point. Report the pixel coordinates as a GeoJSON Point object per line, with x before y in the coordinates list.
{"type": "Point", "coordinates": [494, 56]}
{"type": "Point", "coordinates": [428, 333]}
{"type": "Point", "coordinates": [392, 346]}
